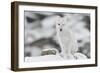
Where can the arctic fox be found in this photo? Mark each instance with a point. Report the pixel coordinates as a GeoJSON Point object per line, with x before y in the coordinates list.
{"type": "Point", "coordinates": [67, 40]}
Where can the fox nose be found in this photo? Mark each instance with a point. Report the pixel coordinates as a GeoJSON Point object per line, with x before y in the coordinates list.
{"type": "Point", "coordinates": [60, 29]}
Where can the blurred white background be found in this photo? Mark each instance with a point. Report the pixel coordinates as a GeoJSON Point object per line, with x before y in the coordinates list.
{"type": "Point", "coordinates": [5, 38]}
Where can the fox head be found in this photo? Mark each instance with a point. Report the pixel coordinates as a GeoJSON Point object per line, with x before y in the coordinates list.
{"type": "Point", "coordinates": [60, 23]}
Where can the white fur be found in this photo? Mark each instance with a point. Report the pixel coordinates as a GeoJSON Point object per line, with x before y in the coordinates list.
{"type": "Point", "coordinates": [66, 39]}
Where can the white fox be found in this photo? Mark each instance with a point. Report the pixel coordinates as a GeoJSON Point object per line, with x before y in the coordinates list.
{"type": "Point", "coordinates": [67, 40]}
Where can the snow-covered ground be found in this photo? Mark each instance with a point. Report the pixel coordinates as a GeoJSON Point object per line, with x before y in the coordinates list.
{"type": "Point", "coordinates": [43, 58]}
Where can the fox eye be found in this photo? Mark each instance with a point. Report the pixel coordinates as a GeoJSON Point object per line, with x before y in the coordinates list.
{"type": "Point", "coordinates": [58, 24]}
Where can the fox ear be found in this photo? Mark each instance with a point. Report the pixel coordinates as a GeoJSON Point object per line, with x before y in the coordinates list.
{"type": "Point", "coordinates": [58, 19]}
{"type": "Point", "coordinates": [64, 21]}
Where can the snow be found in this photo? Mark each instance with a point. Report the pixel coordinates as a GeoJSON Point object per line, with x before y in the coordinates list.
{"type": "Point", "coordinates": [43, 58]}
